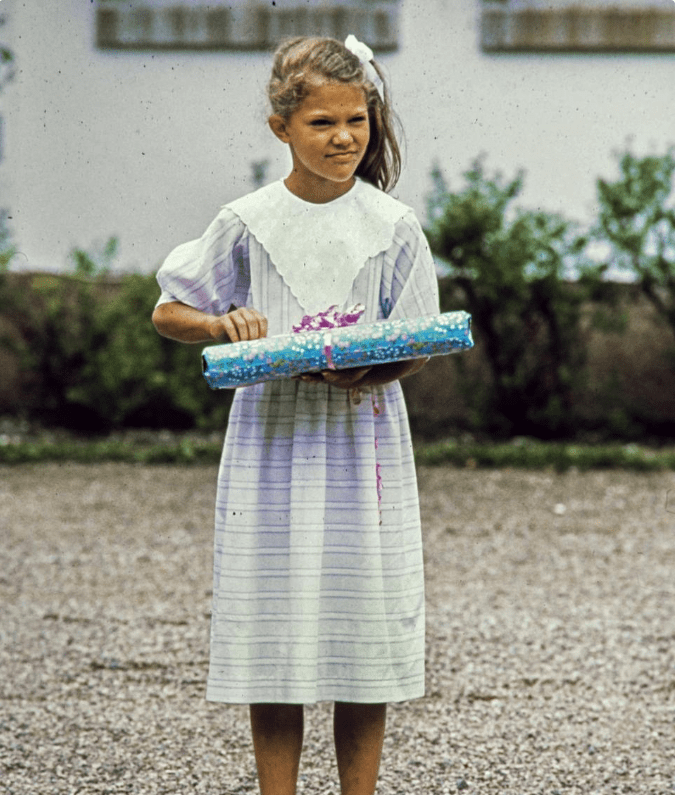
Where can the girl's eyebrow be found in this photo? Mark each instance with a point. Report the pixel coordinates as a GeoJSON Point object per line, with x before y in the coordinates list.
{"type": "Point", "coordinates": [355, 112]}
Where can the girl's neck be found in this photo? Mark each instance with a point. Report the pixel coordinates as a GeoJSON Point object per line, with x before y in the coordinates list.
{"type": "Point", "coordinates": [318, 191]}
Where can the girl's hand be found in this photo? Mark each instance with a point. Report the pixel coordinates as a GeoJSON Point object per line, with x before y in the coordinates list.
{"type": "Point", "coordinates": [181, 322]}
{"type": "Point", "coordinates": [237, 326]}
{"type": "Point", "coordinates": [377, 375]}
{"type": "Point", "coordinates": [343, 379]}
{"type": "Point", "coordinates": [386, 373]}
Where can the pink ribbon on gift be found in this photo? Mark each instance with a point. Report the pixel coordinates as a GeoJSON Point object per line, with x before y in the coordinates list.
{"type": "Point", "coordinates": [331, 318]}
{"type": "Point", "coordinates": [328, 350]}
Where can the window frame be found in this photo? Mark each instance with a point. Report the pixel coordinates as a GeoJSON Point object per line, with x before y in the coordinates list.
{"type": "Point", "coordinates": [517, 26]}
{"type": "Point", "coordinates": [243, 25]}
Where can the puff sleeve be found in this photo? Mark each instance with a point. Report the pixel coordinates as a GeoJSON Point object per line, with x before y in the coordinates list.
{"type": "Point", "coordinates": [411, 289]}
{"type": "Point", "coordinates": [211, 273]}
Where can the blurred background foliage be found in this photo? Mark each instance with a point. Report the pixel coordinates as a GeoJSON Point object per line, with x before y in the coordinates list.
{"type": "Point", "coordinates": [510, 267]}
{"type": "Point", "coordinates": [89, 358]}
{"type": "Point", "coordinates": [637, 220]}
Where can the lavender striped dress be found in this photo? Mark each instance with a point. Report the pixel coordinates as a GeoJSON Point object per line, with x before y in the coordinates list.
{"type": "Point", "coordinates": [318, 589]}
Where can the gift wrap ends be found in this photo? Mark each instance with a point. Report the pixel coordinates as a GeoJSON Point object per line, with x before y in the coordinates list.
{"type": "Point", "coordinates": [286, 355]}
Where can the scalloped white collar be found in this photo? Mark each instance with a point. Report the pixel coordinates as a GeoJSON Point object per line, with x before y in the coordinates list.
{"type": "Point", "coordinates": [319, 249]}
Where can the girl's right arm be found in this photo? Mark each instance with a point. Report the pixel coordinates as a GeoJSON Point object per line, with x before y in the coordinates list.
{"type": "Point", "coordinates": [181, 322]}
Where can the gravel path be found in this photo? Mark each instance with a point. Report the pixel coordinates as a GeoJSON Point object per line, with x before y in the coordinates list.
{"type": "Point", "coordinates": [551, 634]}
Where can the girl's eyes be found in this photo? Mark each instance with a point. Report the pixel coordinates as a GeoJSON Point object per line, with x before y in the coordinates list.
{"type": "Point", "coordinates": [327, 122]}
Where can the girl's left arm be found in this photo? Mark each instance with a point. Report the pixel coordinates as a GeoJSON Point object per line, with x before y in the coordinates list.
{"type": "Point", "coordinates": [385, 373]}
{"type": "Point", "coordinates": [368, 376]}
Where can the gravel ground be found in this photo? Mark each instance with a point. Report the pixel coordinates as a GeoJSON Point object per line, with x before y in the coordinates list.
{"type": "Point", "coordinates": [551, 638]}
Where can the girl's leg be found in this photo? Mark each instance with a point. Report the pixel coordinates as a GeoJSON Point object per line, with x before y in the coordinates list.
{"type": "Point", "coordinates": [359, 733]}
{"type": "Point", "coordinates": [277, 742]}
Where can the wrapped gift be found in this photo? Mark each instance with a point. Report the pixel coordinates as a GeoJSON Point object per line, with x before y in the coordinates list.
{"type": "Point", "coordinates": [286, 355]}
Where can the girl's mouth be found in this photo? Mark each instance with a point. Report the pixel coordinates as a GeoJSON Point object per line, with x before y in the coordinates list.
{"type": "Point", "coordinates": [343, 156]}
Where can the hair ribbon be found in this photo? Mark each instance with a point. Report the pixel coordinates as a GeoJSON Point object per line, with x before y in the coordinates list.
{"type": "Point", "coordinates": [365, 55]}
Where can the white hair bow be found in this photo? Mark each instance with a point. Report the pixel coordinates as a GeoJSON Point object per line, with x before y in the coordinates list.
{"type": "Point", "coordinates": [365, 55]}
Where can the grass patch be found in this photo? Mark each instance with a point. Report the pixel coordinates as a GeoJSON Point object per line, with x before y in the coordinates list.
{"type": "Point", "coordinates": [560, 456]}
{"type": "Point", "coordinates": [185, 451]}
{"type": "Point", "coordinates": [190, 449]}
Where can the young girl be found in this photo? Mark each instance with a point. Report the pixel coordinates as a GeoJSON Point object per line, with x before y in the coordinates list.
{"type": "Point", "coordinates": [318, 585]}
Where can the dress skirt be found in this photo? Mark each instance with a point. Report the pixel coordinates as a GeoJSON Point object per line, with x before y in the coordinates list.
{"type": "Point", "coordinates": [318, 590]}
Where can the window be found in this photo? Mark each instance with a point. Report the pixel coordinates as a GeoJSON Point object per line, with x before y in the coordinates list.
{"type": "Point", "coordinates": [241, 24]}
{"type": "Point", "coordinates": [566, 25]}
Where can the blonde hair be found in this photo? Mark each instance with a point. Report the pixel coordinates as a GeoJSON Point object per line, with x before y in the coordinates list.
{"type": "Point", "coordinates": [297, 64]}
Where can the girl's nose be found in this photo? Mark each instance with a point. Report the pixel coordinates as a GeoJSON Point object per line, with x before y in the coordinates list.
{"type": "Point", "coordinates": [342, 136]}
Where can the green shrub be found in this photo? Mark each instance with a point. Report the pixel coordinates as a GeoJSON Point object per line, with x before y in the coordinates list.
{"type": "Point", "coordinates": [138, 378]}
{"type": "Point", "coordinates": [637, 220]}
{"type": "Point", "coordinates": [91, 358]}
{"type": "Point", "coordinates": [55, 320]}
{"type": "Point", "coordinates": [533, 454]}
{"type": "Point", "coordinates": [511, 267]}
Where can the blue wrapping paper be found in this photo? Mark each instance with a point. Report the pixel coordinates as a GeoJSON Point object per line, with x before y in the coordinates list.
{"type": "Point", "coordinates": [286, 355]}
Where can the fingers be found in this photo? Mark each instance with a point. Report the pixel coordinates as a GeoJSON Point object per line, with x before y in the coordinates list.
{"type": "Point", "coordinates": [245, 324]}
{"type": "Point", "coordinates": [345, 379]}
{"type": "Point", "coordinates": [309, 378]}
{"type": "Point", "coordinates": [241, 325]}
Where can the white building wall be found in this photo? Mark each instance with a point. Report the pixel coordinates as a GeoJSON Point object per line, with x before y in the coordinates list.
{"type": "Point", "coordinates": [148, 145]}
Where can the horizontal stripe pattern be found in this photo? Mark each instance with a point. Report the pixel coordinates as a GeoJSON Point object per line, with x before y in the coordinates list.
{"type": "Point", "coordinates": [318, 585]}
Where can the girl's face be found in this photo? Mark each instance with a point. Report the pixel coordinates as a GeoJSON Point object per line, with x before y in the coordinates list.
{"type": "Point", "coordinates": [328, 135]}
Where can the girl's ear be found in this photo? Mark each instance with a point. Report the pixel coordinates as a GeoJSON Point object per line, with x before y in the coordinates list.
{"type": "Point", "coordinates": [278, 127]}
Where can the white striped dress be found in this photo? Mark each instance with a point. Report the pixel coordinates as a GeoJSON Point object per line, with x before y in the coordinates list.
{"type": "Point", "coordinates": [318, 591]}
